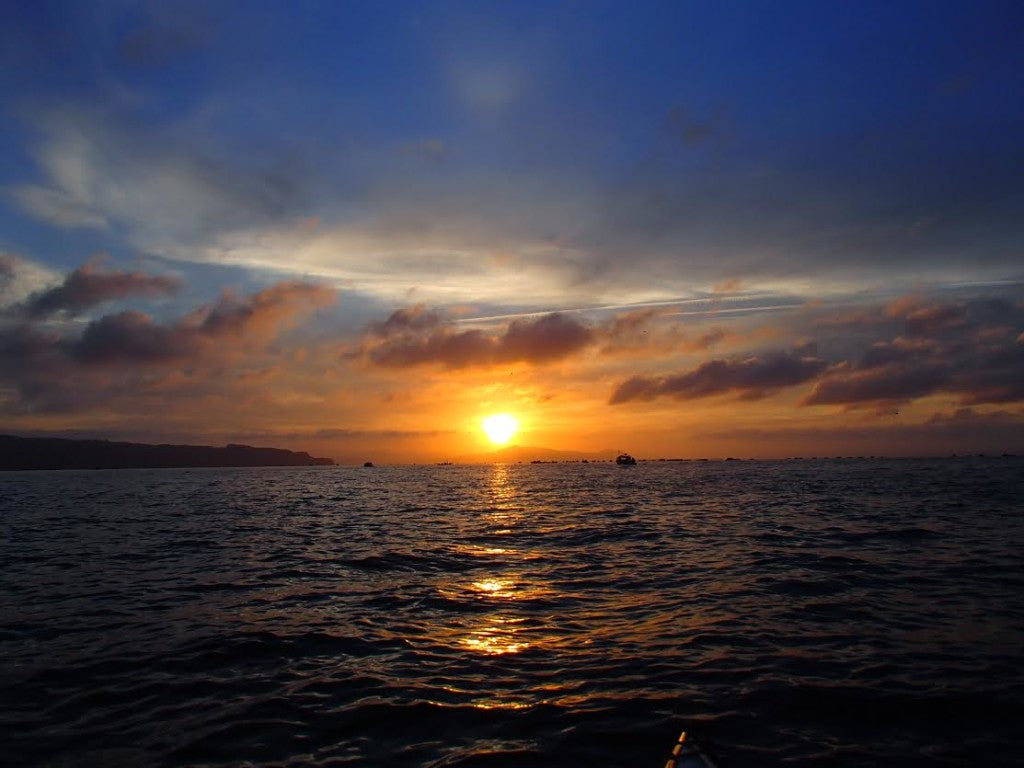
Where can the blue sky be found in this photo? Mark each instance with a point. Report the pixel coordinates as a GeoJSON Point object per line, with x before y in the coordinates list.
{"type": "Point", "coordinates": [486, 160]}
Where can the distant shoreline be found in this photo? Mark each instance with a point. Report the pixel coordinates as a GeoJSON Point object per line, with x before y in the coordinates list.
{"type": "Point", "coordinates": [37, 453]}
{"type": "Point", "coordinates": [720, 460]}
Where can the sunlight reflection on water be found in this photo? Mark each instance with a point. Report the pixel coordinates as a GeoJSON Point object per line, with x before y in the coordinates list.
{"type": "Point", "coordinates": [498, 635]}
{"type": "Point", "coordinates": [570, 614]}
{"type": "Point", "coordinates": [499, 632]}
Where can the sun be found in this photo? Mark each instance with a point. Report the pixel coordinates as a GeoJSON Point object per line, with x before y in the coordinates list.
{"type": "Point", "coordinates": [500, 427]}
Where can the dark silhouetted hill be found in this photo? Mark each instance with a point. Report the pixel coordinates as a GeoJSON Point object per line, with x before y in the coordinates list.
{"type": "Point", "coordinates": [60, 453]}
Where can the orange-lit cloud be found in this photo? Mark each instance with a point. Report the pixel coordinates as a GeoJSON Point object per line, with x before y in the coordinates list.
{"type": "Point", "coordinates": [134, 337]}
{"type": "Point", "coordinates": [125, 354]}
{"type": "Point", "coordinates": [419, 336]}
{"type": "Point", "coordinates": [262, 366]}
{"type": "Point", "coordinates": [416, 336]}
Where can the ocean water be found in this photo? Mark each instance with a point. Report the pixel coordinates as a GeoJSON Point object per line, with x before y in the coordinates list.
{"type": "Point", "coordinates": [855, 612]}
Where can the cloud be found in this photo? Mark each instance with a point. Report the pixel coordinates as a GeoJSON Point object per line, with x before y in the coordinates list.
{"type": "Point", "coordinates": [180, 191]}
{"type": "Point", "coordinates": [750, 378]}
{"type": "Point", "coordinates": [968, 349]}
{"type": "Point", "coordinates": [266, 311]}
{"type": "Point", "coordinates": [6, 273]}
{"type": "Point", "coordinates": [86, 287]}
{"type": "Point", "coordinates": [420, 336]}
{"type": "Point", "coordinates": [926, 318]}
{"type": "Point", "coordinates": [889, 383]}
{"type": "Point", "coordinates": [20, 278]}
{"type": "Point", "coordinates": [521, 210]}
{"type": "Point", "coordinates": [58, 206]}
{"type": "Point", "coordinates": [127, 356]}
{"type": "Point", "coordinates": [410, 319]}
{"type": "Point", "coordinates": [135, 337]}
{"type": "Point", "coordinates": [448, 229]}
{"type": "Point", "coordinates": [965, 349]}
{"type": "Point", "coordinates": [417, 337]}
{"type": "Point", "coordinates": [653, 332]}
{"type": "Point", "coordinates": [548, 338]}
{"type": "Point", "coordinates": [911, 348]}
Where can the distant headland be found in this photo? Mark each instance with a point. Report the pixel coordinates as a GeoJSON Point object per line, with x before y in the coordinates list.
{"type": "Point", "coordinates": [61, 453]}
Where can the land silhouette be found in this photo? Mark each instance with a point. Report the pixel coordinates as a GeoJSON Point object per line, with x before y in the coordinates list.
{"type": "Point", "coordinates": [61, 453]}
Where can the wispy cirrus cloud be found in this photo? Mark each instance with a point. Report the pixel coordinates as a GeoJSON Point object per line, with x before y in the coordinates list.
{"type": "Point", "coordinates": [180, 190]}
{"type": "Point", "coordinates": [454, 234]}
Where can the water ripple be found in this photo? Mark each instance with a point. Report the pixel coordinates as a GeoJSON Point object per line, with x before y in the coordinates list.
{"type": "Point", "coordinates": [848, 613]}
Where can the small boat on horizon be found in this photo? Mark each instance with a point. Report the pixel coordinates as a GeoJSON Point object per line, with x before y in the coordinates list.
{"type": "Point", "coordinates": [624, 459]}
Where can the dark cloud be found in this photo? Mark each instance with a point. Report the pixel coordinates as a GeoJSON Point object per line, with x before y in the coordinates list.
{"type": "Point", "coordinates": [52, 367]}
{"type": "Point", "coordinates": [86, 287]}
{"type": "Point", "coordinates": [992, 375]}
{"type": "Point", "coordinates": [24, 344]}
{"type": "Point", "coordinates": [884, 353]}
{"type": "Point", "coordinates": [927, 318]}
{"type": "Point", "coordinates": [888, 383]}
{"type": "Point", "coordinates": [134, 337]}
{"type": "Point", "coordinates": [913, 347]}
{"type": "Point", "coordinates": [543, 340]}
{"type": "Point", "coordinates": [750, 378]}
{"type": "Point", "coordinates": [449, 348]}
{"type": "Point", "coordinates": [416, 336]}
{"type": "Point", "coordinates": [416, 318]}
{"type": "Point", "coordinates": [963, 348]}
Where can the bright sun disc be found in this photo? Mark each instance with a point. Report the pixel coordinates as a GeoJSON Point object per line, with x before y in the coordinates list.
{"type": "Point", "coordinates": [500, 427]}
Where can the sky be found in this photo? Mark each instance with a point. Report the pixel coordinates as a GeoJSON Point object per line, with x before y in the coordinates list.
{"type": "Point", "coordinates": [678, 229]}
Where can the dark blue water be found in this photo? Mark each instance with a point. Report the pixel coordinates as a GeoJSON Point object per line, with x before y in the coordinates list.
{"type": "Point", "coordinates": [794, 613]}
